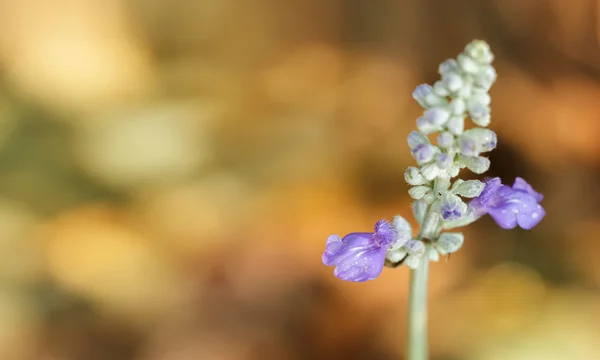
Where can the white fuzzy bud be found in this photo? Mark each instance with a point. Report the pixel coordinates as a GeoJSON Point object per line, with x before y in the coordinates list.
{"type": "Point", "coordinates": [440, 89]}
{"type": "Point", "coordinates": [452, 82]}
{"type": "Point", "coordinates": [480, 115]}
{"type": "Point", "coordinates": [448, 66]}
{"type": "Point", "coordinates": [413, 176]}
{"type": "Point", "coordinates": [448, 243]}
{"type": "Point", "coordinates": [469, 188]}
{"type": "Point", "coordinates": [477, 164]}
{"type": "Point", "coordinates": [429, 198]}
{"type": "Point", "coordinates": [396, 255]}
{"type": "Point", "coordinates": [412, 261]}
{"type": "Point", "coordinates": [415, 247]}
{"type": "Point", "coordinates": [403, 229]}
{"type": "Point", "coordinates": [485, 78]}
{"type": "Point", "coordinates": [432, 254]}
{"type": "Point", "coordinates": [436, 116]}
{"type": "Point", "coordinates": [479, 51]}
{"type": "Point", "coordinates": [445, 140]}
{"type": "Point", "coordinates": [425, 126]}
{"type": "Point", "coordinates": [468, 65]}
{"type": "Point", "coordinates": [456, 125]}
{"type": "Point", "coordinates": [458, 107]}
{"type": "Point", "coordinates": [418, 192]}
{"type": "Point", "coordinates": [416, 138]}
{"type": "Point", "coordinates": [430, 171]}
{"type": "Point", "coordinates": [442, 183]}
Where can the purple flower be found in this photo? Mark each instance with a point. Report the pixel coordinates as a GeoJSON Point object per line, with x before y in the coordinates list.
{"type": "Point", "coordinates": [360, 256]}
{"type": "Point", "coordinates": [510, 206]}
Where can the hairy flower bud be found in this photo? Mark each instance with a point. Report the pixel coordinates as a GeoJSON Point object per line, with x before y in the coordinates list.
{"type": "Point", "coordinates": [430, 171]}
{"type": "Point", "coordinates": [452, 207]}
{"type": "Point", "coordinates": [456, 125]}
{"type": "Point", "coordinates": [436, 116]}
{"type": "Point", "coordinates": [448, 243]}
{"type": "Point", "coordinates": [469, 188]}
{"type": "Point", "coordinates": [424, 153]}
{"type": "Point", "coordinates": [452, 82]}
{"type": "Point", "coordinates": [467, 64]}
{"type": "Point", "coordinates": [415, 138]}
{"type": "Point", "coordinates": [477, 164]}
{"type": "Point", "coordinates": [418, 192]}
{"type": "Point", "coordinates": [445, 140]}
{"type": "Point", "coordinates": [413, 176]}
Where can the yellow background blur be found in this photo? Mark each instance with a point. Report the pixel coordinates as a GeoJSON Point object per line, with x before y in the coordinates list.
{"type": "Point", "coordinates": [170, 171]}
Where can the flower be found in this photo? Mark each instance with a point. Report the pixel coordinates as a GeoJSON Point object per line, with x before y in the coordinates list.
{"type": "Point", "coordinates": [360, 256]}
{"type": "Point", "coordinates": [509, 206]}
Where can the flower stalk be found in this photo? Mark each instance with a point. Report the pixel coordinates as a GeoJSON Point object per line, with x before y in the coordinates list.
{"type": "Point", "coordinates": [440, 200]}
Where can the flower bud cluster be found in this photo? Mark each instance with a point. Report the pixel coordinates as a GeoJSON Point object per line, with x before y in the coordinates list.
{"type": "Point", "coordinates": [441, 147]}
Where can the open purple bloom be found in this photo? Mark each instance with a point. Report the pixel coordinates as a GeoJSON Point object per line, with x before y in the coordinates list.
{"type": "Point", "coordinates": [360, 256]}
{"type": "Point", "coordinates": [509, 206]}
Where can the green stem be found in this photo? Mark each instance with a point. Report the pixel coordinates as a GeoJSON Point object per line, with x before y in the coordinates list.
{"type": "Point", "coordinates": [416, 347]}
{"type": "Point", "coordinates": [416, 344]}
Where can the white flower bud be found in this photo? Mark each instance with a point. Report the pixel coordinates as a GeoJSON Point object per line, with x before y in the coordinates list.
{"type": "Point", "coordinates": [413, 176]}
{"type": "Point", "coordinates": [444, 160]}
{"type": "Point", "coordinates": [478, 164]}
{"type": "Point", "coordinates": [436, 116]}
{"type": "Point", "coordinates": [465, 91]}
{"type": "Point", "coordinates": [480, 115]}
{"type": "Point", "coordinates": [416, 138]}
{"type": "Point", "coordinates": [452, 82]}
{"type": "Point", "coordinates": [479, 51]}
{"type": "Point", "coordinates": [453, 170]}
{"type": "Point", "coordinates": [448, 66]}
{"type": "Point", "coordinates": [448, 243]}
{"type": "Point", "coordinates": [425, 126]}
{"type": "Point", "coordinates": [442, 183]}
{"type": "Point", "coordinates": [418, 192]}
{"type": "Point", "coordinates": [440, 89]}
{"type": "Point", "coordinates": [477, 140]}
{"type": "Point", "coordinates": [456, 125]}
{"type": "Point", "coordinates": [452, 207]}
{"type": "Point", "coordinates": [469, 188]}
{"type": "Point", "coordinates": [468, 65]}
{"type": "Point", "coordinates": [481, 98]}
{"type": "Point", "coordinates": [403, 229]}
{"type": "Point", "coordinates": [415, 247]}
{"type": "Point", "coordinates": [412, 261]}
{"type": "Point", "coordinates": [429, 198]}
{"type": "Point", "coordinates": [458, 107]}
{"type": "Point", "coordinates": [445, 139]}
{"type": "Point", "coordinates": [426, 97]}
{"type": "Point", "coordinates": [396, 255]}
{"type": "Point", "coordinates": [485, 78]}
{"type": "Point", "coordinates": [419, 207]}
{"type": "Point", "coordinates": [432, 254]}
{"type": "Point", "coordinates": [421, 93]}
{"type": "Point", "coordinates": [430, 171]}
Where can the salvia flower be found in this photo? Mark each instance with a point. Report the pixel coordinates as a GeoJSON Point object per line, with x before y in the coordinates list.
{"type": "Point", "coordinates": [360, 256]}
{"type": "Point", "coordinates": [461, 94]}
{"type": "Point", "coordinates": [509, 206]}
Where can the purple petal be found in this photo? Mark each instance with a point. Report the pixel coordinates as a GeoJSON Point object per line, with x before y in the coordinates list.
{"type": "Point", "coordinates": [521, 184]}
{"type": "Point", "coordinates": [505, 217]}
{"type": "Point", "coordinates": [527, 219]}
{"type": "Point", "coordinates": [481, 203]}
{"type": "Point", "coordinates": [361, 266]}
{"type": "Point", "coordinates": [385, 234]}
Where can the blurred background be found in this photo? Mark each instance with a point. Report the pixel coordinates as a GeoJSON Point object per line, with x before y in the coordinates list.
{"type": "Point", "coordinates": [170, 171]}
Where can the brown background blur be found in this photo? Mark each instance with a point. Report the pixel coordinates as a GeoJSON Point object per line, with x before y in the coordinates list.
{"type": "Point", "coordinates": [171, 169]}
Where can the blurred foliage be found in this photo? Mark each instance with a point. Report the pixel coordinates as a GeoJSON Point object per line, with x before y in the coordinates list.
{"type": "Point", "coordinates": [171, 170]}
